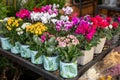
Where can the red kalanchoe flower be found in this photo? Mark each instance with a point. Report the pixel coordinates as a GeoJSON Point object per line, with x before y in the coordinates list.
{"type": "Point", "coordinates": [115, 24]}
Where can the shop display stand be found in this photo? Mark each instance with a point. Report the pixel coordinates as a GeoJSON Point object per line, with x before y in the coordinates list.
{"type": "Point", "coordinates": [54, 75]}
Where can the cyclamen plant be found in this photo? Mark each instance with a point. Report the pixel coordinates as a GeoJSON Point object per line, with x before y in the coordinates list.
{"type": "Point", "coordinates": [23, 13]}
{"type": "Point", "coordinates": [44, 14]}
{"type": "Point", "coordinates": [85, 33]}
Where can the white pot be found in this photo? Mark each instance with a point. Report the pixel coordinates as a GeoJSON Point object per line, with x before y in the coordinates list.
{"type": "Point", "coordinates": [87, 56]}
{"type": "Point", "coordinates": [99, 47]}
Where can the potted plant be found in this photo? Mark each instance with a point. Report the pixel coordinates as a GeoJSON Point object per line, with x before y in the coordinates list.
{"type": "Point", "coordinates": [85, 32]}
{"type": "Point", "coordinates": [102, 32]}
{"type": "Point", "coordinates": [34, 31]}
{"type": "Point", "coordinates": [68, 52]}
{"type": "Point", "coordinates": [50, 57]}
{"type": "Point", "coordinates": [22, 38]}
{"type": "Point", "coordinates": [9, 30]}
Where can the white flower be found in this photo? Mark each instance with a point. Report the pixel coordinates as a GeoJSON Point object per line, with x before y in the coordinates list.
{"type": "Point", "coordinates": [25, 25]}
{"type": "Point", "coordinates": [67, 10]}
{"type": "Point", "coordinates": [65, 18]}
{"type": "Point", "coordinates": [6, 19]}
{"type": "Point", "coordinates": [47, 15]}
{"type": "Point", "coordinates": [44, 19]}
{"type": "Point", "coordinates": [55, 6]}
{"type": "Point", "coordinates": [110, 26]}
{"type": "Point", "coordinates": [19, 31]}
{"type": "Point", "coordinates": [53, 21]}
{"type": "Point", "coordinates": [53, 15]}
{"type": "Point", "coordinates": [35, 16]}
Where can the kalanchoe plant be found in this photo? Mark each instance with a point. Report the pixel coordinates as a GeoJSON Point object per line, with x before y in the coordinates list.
{"type": "Point", "coordinates": [10, 28]}
{"type": "Point", "coordinates": [67, 48]}
{"type": "Point", "coordinates": [49, 44]}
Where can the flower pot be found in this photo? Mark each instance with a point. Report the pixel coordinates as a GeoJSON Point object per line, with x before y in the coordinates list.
{"type": "Point", "coordinates": [50, 63]}
{"type": "Point", "coordinates": [34, 60]}
{"type": "Point", "coordinates": [68, 70]}
{"type": "Point", "coordinates": [16, 49]}
{"type": "Point", "coordinates": [87, 56]}
{"type": "Point", "coordinates": [5, 43]}
{"type": "Point", "coordinates": [99, 47]}
{"type": "Point", "coordinates": [25, 51]}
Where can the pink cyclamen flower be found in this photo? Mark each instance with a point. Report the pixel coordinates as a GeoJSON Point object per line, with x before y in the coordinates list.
{"type": "Point", "coordinates": [23, 13]}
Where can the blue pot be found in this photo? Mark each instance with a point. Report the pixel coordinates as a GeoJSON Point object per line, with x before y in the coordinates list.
{"type": "Point", "coordinates": [50, 63]}
{"type": "Point", "coordinates": [25, 51]}
{"type": "Point", "coordinates": [16, 49]}
{"type": "Point", "coordinates": [39, 60]}
{"type": "Point", "coordinates": [5, 43]}
{"type": "Point", "coordinates": [68, 70]}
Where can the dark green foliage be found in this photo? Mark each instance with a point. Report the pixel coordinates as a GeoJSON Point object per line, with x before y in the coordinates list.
{"type": "Point", "coordinates": [39, 3]}
{"type": "Point", "coordinates": [3, 10]}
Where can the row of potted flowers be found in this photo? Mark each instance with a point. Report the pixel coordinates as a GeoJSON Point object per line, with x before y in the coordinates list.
{"type": "Point", "coordinates": [48, 33]}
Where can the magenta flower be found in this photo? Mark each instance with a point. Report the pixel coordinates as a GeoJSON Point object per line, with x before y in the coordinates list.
{"type": "Point", "coordinates": [23, 13]}
{"type": "Point", "coordinates": [75, 20]}
{"type": "Point", "coordinates": [43, 38]}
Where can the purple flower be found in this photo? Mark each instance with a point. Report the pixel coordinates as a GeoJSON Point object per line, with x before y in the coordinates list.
{"type": "Point", "coordinates": [75, 20]}
{"type": "Point", "coordinates": [119, 19]}
{"type": "Point", "coordinates": [68, 25]}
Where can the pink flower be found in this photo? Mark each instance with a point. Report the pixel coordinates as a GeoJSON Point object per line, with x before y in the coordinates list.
{"type": "Point", "coordinates": [62, 44]}
{"type": "Point", "coordinates": [75, 42]}
{"type": "Point", "coordinates": [23, 13]}
{"type": "Point", "coordinates": [43, 38]}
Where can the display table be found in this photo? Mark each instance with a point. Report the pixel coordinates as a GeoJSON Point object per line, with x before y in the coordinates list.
{"type": "Point", "coordinates": [106, 7]}
{"type": "Point", "coordinates": [52, 75]}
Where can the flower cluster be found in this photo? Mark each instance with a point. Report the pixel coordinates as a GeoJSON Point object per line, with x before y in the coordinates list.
{"type": "Point", "coordinates": [67, 10]}
{"type": "Point", "coordinates": [44, 14]}
{"type": "Point", "coordinates": [37, 28]}
{"type": "Point", "coordinates": [23, 13]}
{"type": "Point", "coordinates": [13, 23]}
{"type": "Point", "coordinates": [86, 29]}
{"type": "Point", "coordinates": [67, 41]}
{"type": "Point", "coordinates": [67, 48]}
{"type": "Point", "coordinates": [20, 30]}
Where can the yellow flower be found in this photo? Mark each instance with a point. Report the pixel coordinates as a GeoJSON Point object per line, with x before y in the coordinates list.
{"type": "Point", "coordinates": [37, 28]}
{"type": "Point", "coordinates": [109, 77]}
{"type": "Point", "coordinates": [9, 28]}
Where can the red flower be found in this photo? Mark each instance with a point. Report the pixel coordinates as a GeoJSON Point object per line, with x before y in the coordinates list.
{"type": "Point", "coordinates": [109, 19]}
{"type": "Point", "coordinates": [115, 24]}
{"type": "Point", "coordinates": [36, 9]}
